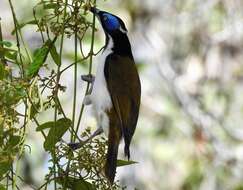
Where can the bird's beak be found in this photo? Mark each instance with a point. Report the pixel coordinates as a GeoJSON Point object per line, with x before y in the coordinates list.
{"type": "Point", "coordinates": [94, 10]}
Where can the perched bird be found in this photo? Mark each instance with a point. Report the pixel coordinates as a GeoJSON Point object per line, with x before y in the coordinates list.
{"type": "Point", "coordinates": [116, 90]}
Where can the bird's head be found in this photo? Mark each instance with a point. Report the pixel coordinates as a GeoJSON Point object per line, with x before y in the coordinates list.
{"type": "Point", "coordinates": [111, 24]}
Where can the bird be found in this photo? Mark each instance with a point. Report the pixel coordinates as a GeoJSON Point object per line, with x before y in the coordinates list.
{"type": "Point", "coordinates": [116, 90]}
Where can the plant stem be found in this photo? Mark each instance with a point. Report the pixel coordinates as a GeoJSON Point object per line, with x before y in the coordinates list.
{"type": "Point", "coordinates": [17, 37]}
{"type": "Point", "coordinates": [75, 69]}
{"type": "Point", "coordinates": [26, 118]}
{"type": "Point", "coordinates": [90, 69]}
{"type": "Point", "coordinates": [57, 88]}
{"type": "Point", "coordinates": [1, 46]}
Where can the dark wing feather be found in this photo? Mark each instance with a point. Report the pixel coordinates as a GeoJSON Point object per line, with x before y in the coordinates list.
{"type": "Point", "coordinates": [124, 86]}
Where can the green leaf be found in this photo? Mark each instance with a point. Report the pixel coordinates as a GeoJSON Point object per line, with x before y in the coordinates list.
{"type": "Point", "coordinates": [33, 111]}
{"type": "Point", "coordinates": [55, 56]}
{"type": "Point", "coordinates": [2, 187]}
{"type": "Point", "coordinates": [81, 184]}
{"type": "Point", "coordinates": [46, 125]}
{"type": "Point", "coordinates": [8, 53]}
{"type": "Point", "coordinates": [56, 132]}
{"type": "Point", "coordinates": [5, 43]}
{"type": "Point", "coordinates": [11, 56]}
{"type": "Point", "coordinates": [1, 130]}
{"type": "Point", "coordinates": [75, 183]}
{"type": "Point", "coordinates": [39, 58]}
{"type": "Point", "coordinates": [2, 71]}
{"type": "Point", "coordinates": [50, 6]}
{"type": "Point", "coordinates": [31, 22]}
{"type": "Point", "coordinates": [125, 163]}
{"type": "Point", "coordinates": [14, 141]}
{"type": "Point", "coordinates": [4, 166]}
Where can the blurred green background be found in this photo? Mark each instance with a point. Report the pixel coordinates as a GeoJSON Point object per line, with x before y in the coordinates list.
{"type": "Point", "coordinates": [190, 58]}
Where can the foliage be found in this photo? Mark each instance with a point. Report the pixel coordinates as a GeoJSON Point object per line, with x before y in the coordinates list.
{"type": "Point", "coordinates": [22, 85]}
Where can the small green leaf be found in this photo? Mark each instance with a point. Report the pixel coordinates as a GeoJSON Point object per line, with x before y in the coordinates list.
{"type": "Point", "coordinates": [14, 141]}
{"type": "Point", "coordinates": [56, 132]}
{"type": "Point", "coordinates": [31, 22]}
{"type": "Point", "coordinates": [75, 183]}
{"type": "Point", "coordinates": [55, 56]}
{"type": "Point", "coordinates": [34, 110]}
{"type": "Point", "coordinates": [6, 43]}
{"type": "Point", "coordinates": [81, 184]}
{"type": "Point", "coordinates": [39, 58]}
{"type": "Point", "coordinates": [46, 125]}
{"type": "Point", "coordinates": [2, 187]}
{"type": "Point", "coordinates": [125, 163]}
{"type": "Point", "coordinates": [4, 166]}
{"type": "Point", "coordinates": [8, 53]}
{"type": "Point", "coordinates": [50, 6]}
{"type": "Point", "coordinates": [11, 56]}
{"type": "Point", "coordinates": [2, 71]}
{"type": "Point", "coordinates": [38, 61]}
{"type": "Point", "coordinates": [1, 130]}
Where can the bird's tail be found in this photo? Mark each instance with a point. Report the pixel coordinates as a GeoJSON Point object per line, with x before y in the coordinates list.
{"type": "Point", "coordinates": [111, 158]}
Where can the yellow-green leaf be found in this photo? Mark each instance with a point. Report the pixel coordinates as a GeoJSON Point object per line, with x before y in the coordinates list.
{"type": "Point", "coordinates": [125, 163]}
{"type": "Point", "coordinates": [57, 130]}
{"type": "Point", "coordinates": [31, 22]}
{"type": "Point", "coordinates": [50, 6]}
{"type": "Point", "coordinates": [2, 71]}
{"type": "Point", "coordinates": [46, 125]}
{"type": "Point", "coordinates": [2, 187]}
{"type": "Point", "coordinates": [13, 141]}
{"type": "Point", "coordinates": [39, 58]}
{"type": "Point", "coordinates": [75, 183]}
{"type": "Point", "coordinates": [5, 165]}
{"type": "Point", "coordinates": [55, 56]}
{"type": "Point", "coordinates": [6, 43]}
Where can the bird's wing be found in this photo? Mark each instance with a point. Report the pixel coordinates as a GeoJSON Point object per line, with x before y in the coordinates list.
{"type": "Point", "coordinates": [124, 86]}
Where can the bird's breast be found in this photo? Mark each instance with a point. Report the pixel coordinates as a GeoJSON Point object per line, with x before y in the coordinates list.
{"type": "Point", "coordinates": [100, 95]}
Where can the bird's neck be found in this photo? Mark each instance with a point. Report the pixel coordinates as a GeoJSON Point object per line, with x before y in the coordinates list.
{"type": "Point", "coordinates": [119, 44]}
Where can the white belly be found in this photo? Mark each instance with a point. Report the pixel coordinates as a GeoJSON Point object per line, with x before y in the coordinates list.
{"type": "Point", "coordinates": [100, 96]}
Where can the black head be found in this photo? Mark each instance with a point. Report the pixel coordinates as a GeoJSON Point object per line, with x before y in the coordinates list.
{"type": "Point", "coordinates": [111, 24]}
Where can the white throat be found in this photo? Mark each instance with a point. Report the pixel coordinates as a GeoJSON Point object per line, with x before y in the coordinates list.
{"type": "Point", "coordinates": [100, 96]}
{"type": "Point", "coordinates": [109, 45]}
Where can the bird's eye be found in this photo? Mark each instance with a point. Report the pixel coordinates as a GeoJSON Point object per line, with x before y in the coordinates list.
{"type": "Point", "coordinates": [105, 18]}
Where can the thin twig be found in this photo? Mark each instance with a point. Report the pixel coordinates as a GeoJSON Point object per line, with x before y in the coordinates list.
{"type": "Point", "coordinates": [90, 69]}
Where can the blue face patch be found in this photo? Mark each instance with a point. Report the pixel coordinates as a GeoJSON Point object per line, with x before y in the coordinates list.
{"type": "Point", "coordinates": [110, 22]}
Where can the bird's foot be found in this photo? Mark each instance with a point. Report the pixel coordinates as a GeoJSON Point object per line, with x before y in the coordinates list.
{"type": "Point", "coordinates": [87, 100]}
{"type": "Point", "coordinates": [88, 78]}
{"type": "Point", "coordinates": [75, 146]}
{"type": "Point", "coordinates": [97, 132]}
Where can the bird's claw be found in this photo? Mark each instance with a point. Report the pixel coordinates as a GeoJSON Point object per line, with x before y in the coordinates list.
{"type": "Point", "coordinates": [87, 100]}
{"type": "Point", "coordinates": [88, 78]}
{"type": "Point", "coordinates": [75, 146]}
